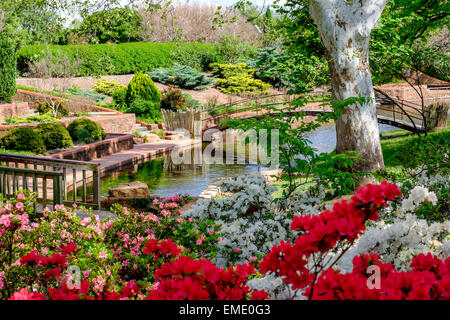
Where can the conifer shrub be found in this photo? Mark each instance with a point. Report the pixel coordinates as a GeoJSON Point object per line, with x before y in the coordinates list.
{"type": "Point", "coordinates": [54, 135]}
{"type": "Point", "coordinates": [108, 87]}
{"type": "Point", "coordinates": [23, 139]}
{"type": "Point", "coordinates": [226, 70]}
{"type": "Point", "coordinates": [181, 76]}
{"type": "Point", "coordinates": [7, 68]}
{"type": "Point", "coordinates": [86, 130]}
{"type": "Point", "coordinates": [237, 78]}
{"type": "Point", "coordinates": [142, 86]}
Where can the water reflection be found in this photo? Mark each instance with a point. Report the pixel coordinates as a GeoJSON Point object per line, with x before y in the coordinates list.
{"type": "Point", "coordinates": [164, 178]}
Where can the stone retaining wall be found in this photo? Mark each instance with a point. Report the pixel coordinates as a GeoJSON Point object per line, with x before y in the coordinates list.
{"type": "Point", "coordinates": [114, 143]}
{"type": "Point", "coordinates": [14, 109]}
{"type": "Point", "coordinates": [118, 123]}
{"type": "Point", "coordinates": [34, 98]}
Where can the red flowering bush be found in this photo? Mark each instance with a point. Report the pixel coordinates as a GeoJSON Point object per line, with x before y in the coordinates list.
{"type": "Point", "coordinates": [428, 279]}
{"type": "Point", "coordinates": [186, 278]}
{"type": "Point", "coordinates": [307, 264]}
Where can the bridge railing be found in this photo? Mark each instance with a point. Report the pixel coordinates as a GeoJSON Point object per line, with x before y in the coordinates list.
{"type": "Point", "coordinates": [54, 180]}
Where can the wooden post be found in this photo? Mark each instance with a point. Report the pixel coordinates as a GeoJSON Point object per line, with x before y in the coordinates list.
{"type": "Point", "coordinates": [57, 191]}
{"type": "Point", "coordinates": [96, 187]}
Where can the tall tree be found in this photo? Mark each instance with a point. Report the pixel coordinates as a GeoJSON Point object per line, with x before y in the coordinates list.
{"type": "Point", "coordinates": [344, 28]}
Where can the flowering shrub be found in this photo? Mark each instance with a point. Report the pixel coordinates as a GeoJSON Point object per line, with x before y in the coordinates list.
{"type": "Point", "coordinates": [186, 278]}
{"type": "Point", "coordinates": [429, 279]}
{"type": "Point", "coordinates": [331, 230]}
{"type": "Point", "coordinates": [109, 255]}
{"type": "Point", "coordinates": [249, 226]}
{"type": "Point", "coordinates": [162, 255]}
{"type": "Point", "coordinates": [398, 242]}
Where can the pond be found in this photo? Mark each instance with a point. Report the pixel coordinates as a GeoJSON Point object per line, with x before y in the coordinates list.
{"type": "Point", "coordinates": [164, 178]}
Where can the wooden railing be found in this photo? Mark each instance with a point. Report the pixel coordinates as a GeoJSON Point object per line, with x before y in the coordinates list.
{"type": "Point", "coordinates": [54, 180]}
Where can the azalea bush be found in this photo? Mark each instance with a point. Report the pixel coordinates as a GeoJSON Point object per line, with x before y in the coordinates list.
{"type": "Point", "coordinates": [305, 266]}
{"type": "Point", "coordinates": [167, 254]}
{"type": "Point", "coordinates": [38, 253]}
{"type": "Point", "coordinates": [248, 225]}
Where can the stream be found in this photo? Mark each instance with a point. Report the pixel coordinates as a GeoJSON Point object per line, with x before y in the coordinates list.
{"type": "Point", "coordinates": [165, 178]}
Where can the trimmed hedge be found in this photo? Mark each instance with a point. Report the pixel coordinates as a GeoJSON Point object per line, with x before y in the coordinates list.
{"type": "Point", "coordinates": [54, 135]}
{"type": "Point", "coordinates": [86, 130]}
{"type": "Point", "coordinates": [23, 139]}
{"type": "Point", "coordinates": [124, 58]}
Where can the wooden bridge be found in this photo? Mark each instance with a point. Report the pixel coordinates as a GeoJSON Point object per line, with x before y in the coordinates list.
{"type": "Point", "coordinates": [407, 115]}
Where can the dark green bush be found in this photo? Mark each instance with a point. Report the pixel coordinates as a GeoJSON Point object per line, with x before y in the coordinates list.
{"type": "Point", "coordinates": [184, 77]}
{"type": "Point", "coordinates": [124, 58]}
{"type": "Point", "coordinates": [142, 86]}
{"type": "Point", "coordinates": [173, 99]}
{"type": "Point", "coordinates": [86, 130]}
{"type": "Point", "coordinates": [145, 108]}
{"type": "Point", "coordinates": [23, 139]}
{"type": "Point", "coordinates": [55, 136]}
{"type": "Point", "coordinates": [63, 108]}
{"type": "Point", "coordinates": [7, 68]}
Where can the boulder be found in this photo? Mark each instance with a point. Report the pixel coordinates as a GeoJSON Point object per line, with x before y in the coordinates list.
{"type": "Point", "coordinates": [135, 189]}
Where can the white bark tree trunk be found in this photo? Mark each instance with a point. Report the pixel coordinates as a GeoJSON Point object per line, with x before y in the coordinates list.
{"type": "Point", "coordinates": [345, 28]}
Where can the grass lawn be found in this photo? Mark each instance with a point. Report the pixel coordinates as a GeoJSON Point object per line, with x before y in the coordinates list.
{"type": "Point", "coordinates": [412, 151]}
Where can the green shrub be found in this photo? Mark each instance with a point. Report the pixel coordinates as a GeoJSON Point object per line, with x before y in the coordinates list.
{"type": "Point", "coordinates": [231, 48]}
{"type": "Point", "coordinates": [108, 87]}
{"type": "Point", "coordinates": [142, 86]}
{"type": "Point", "coordinates": [23, 139]}
{"type": "Point", "coordinates": [145, 108]}
{"type": "Point", "coordinates": [123, 58]}
{"type": "Point", "coordinates": [54, 135]}
{"type": "Point", "coordinates": [111, 25]}
{"type": "Point", "coordinates": [86, 130]}
{"type": "Point", "coordinates": [119, 98]}
{"type": "Point", "coordinates": [7, 68]}
{"type": "Point", "coordinates": [180, 76]}
{"type": "Point", "coordinates": [237, 78]}
{"type": "Point", "coordinates": [240, 84]}
{"type": "Point", "coordinates": [172, 99]}
{"type": "Point", "coordinates": [226, 70]}
{"type": "Point", "coordinates": [63, 108]}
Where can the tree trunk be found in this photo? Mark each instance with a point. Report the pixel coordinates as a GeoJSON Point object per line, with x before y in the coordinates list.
{"type": "Point", "coordinates": [344, 31]}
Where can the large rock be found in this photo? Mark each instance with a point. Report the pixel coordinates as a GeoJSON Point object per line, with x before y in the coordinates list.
{"type": "Point", "coordinates": [135, 189]}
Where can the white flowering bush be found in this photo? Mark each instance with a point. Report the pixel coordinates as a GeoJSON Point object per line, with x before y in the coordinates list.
{"type": "Point", "coordinates": [249, 224]}
{"type": "Point", "coordinates": [418, 196]}
{"type": "Point", "coordinates": [426, 195]}
{"type": "Point", "coordinates": [398, 242]}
